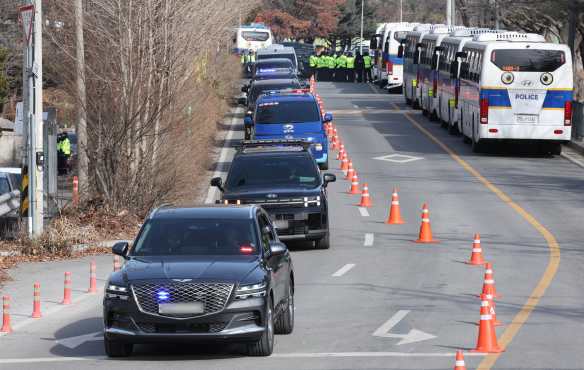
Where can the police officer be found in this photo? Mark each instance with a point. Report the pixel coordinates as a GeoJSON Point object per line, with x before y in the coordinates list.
{"type": "Point", "coordinates": [350, 67]}
{"type": "Point", "coordinates": [312, 62]}
{"type": "Point", "coordinates": [359, 67]}
{"type": "Point", "coordinates": [332, 65]}
{"type": "Point", "coordinates": [341, 72]}
{"type": "Point", "coordinates": [368, 64]}
{"type": "Point", "coordinates": [63, 153]}
{"type": "Point", "coordinates": [320, 67]}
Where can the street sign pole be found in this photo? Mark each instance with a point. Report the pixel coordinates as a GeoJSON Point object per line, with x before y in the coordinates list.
{"type": "Point", "coordinates": [37, 156]}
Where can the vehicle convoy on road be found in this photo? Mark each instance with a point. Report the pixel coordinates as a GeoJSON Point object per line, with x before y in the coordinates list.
{"type": "Point", "coordinates": [214, 273]}
{"type": "Point", "coordinates": [272, 65]}
{"type": "Point", "coordinates": [292, 115]}
{"type": "Point", "coordinates": [282, 177]}
{"type": "Point", "coordinates": [251, 38]}
{"type": "Point", "coordinates": [278, 51]}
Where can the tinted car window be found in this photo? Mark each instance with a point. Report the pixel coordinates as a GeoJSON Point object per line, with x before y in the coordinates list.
{"type": "Point", "coordinates": [290, 57]}
{"type": "Point", "coordinates": [268, 64]}
{"type": "Point", "coordinates": [275, 171]}
{"type": "Point", "coordinates": [523, 60]}
{"type": "Point", "coordinates": [167, 237]}
{"type": "Point", "coordinates": [255, 35]}
{"type": "Point", "coordinates": [256, 90]}
{"type": "Point", "coordinates": [287, 112]}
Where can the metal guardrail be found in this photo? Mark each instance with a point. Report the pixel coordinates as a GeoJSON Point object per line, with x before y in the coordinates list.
{"type": "Point", "coordinates": [9, 202]}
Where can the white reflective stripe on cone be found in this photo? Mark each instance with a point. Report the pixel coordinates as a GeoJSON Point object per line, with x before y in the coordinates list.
{"type": "Point", "coordinates": [486, 317]}
{"type": "Point", "coordinates": [460, 363]}
{"type": "Point", "coordinates": [477, 250]}
{"type": "Point", "coordinates": [489, 281]}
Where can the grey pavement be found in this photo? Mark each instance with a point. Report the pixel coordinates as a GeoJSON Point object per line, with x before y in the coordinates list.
{"type": "Point", "coordinates": [336, 316]}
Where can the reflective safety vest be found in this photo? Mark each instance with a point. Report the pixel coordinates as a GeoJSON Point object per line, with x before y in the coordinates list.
{"type": "Point", "coordinates": [332, 62]}
{"type": "Point", "coordinates": [321, 61]}
{"type": "Point", "coordinates": [351, 62]}
{"type": "Point", "coordinates": [367, 61]}
{"type": "Point", "coordinates": [342, 61]}
{"type": "Point", "coordinates": [313, 60]}
{"type": "Point", "coordinates": [64, 146]}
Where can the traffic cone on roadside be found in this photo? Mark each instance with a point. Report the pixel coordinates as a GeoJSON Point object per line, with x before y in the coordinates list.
{"type": "Point", "coordinates": [350, 171]}
{"type": "Point", "coordinates": [354, 184]}
{"type": "Point", "coordinates": [476, 257]}
{"type": "Point", "coordinates": [487, 338]}
{"type": "Point", "coordinates": [92, 278]}
{"type": "Point", "coordinates": [394, 217]}
{"type": "Point", "coordinates": [425, 235]}
{"type": "Point", "coordinates": [341, 152]}
{"type": "Point", "coordinates": [67, 289]}
{"type": "Point", "coordinates": [345, 163]}
{"type": "Point", "coordinates": [489, 281]}
{"type": "Point", "coordinates": [459, 364]}
{"type": "Point", "coordinates": [36, 303]}
{"type": "Point", "coordinates": [491, 301]}
{"type": "Point", "coordinates": [365, 197]}
{"type": "Point", "coordinates": [6, 325]}
{"type": "Point", "coordinates": [335, 140]}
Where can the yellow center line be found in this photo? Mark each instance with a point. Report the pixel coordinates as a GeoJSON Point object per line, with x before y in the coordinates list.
{"type": "Point", "coordinates": [554, 248]}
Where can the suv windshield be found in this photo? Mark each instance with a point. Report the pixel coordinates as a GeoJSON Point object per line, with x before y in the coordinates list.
{"type": "Point", "coordinates": [256, 90]}
{"type": "Point", "coordinates": [269, 64]}
{"type": "Point", "coordinates": [290, 57]}
{"type": "Point", "coordinates": [287, 112]}
{"type": "Point", "coordinates": [523, 60]}
{"type": "Point", "coordinates": [273, 171]}
{"type": "Point", "coordinates": [181, 237]}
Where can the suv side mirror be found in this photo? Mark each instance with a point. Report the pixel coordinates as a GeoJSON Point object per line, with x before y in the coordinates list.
{"type": "Point", "coordinates": [242, 101]}
{"type": "Point", "coordinates": [461, 54]}
{"type": "Point", "coordinates": [121, 249]}
{"type": "Point", "coordinates": [328, 177]}
{"type": "Point", "coordinates": [247, 121]}
{"type": "Point", "coordinates": [244, 88]}
{"type": "Point", "coordinates": [277, 248]}
{"type": "Point", "coordinates": [328, 117]}
{"type": "Point", "coordinates": [400, 51]}
{"type": "Point", "coordinates": [217, 182]}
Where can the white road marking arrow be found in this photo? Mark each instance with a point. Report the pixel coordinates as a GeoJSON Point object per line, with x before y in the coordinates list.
{"type": "Point", "coordinates": [74, 342]}
{"type": "Point", "coordinates": [398, 158]}
{"type": "Point", "coordinates": [412, 337]}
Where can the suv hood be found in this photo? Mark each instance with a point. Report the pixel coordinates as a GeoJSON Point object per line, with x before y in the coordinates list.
{"type": "Point", "coordinates": [218, 268]}
{"type": "Point", "coordinates": [292, 129]}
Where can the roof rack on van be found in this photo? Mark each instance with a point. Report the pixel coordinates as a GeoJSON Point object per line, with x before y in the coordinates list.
{"type": "Point", "coordinates": [509, 36]}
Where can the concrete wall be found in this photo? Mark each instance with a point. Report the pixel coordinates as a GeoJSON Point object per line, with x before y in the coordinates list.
{"type": "Point", "coordinates": [10, 145]}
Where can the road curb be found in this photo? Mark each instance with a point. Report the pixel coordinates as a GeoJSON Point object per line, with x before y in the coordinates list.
{"type": "Point", "coordinates": [578, 148]}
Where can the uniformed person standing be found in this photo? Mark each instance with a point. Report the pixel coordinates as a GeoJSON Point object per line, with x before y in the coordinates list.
{"type": "Point", "coordinates": [350, 67]}
{"type": "Point", "coordinates": [321, 67]}
{"type": "Point", "coordinates": [368, 64]}
{"type": "Point", "coordinates": [341, 72]}
{"type": "Point", "coordinates": [312, 63]}
{"type": "Point", "coordinates": [359, 67]}
{"type": "Point", "coordinates": [332, 65]}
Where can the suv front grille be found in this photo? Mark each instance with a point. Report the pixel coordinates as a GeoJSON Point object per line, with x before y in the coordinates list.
{"type": "Point", "coordinates": [214, 327]}
{"type": "Point", "coordinates": [214, 296]}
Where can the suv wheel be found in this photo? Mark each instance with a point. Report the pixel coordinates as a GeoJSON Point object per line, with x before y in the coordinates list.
{"type": "Point", "coordinates": [265, 345]}
{"type": "Point", "coordinates": [117, 349]}
{"type": "Point", "coordinates": [285, 322]}
{"type": "Point", "coordinates": [323, 243]}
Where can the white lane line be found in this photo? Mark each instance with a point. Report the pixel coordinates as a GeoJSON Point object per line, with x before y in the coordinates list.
{"type": "Point", "coordinates": [373, 354]}
{"type": "Point", "coordinates": [343, 270]}
{"type": "Point", "coordinates": [212, 192]}
{"type": "Point", "coordinates": [369, 237]}
{"type": "Point", "coordinates": [389, 324]}
{"type": "Point", "coordinates": [364, 212]}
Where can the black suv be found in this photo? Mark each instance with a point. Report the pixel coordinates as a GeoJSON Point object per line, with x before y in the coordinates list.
{"type": "Point", "coordinates": [282, 177]}
{"type": "Point", "coordinates": [204, 273]}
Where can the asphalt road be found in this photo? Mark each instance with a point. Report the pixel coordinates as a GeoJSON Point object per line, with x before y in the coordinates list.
{"type": "Point", "coordinates": [364, 303]}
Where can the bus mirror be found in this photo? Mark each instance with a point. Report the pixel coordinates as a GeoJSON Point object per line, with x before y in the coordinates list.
{"type": "Point", "coordinates": [439, 49]}
{"type": "Point", "coordinates": [416, 57]}
{"type": "Point", "coordinates": [454, 69]}
{"type": "Point", "coordinates": [434, 61]}
{"type": "Point", "coordinates": [461, 54]}
{"type": "Point", "coordinates": [400, 51]}
{"type": "Point", "coordinates": [386, 47]}
{"type": "Point", "coordinates": [373, 43]}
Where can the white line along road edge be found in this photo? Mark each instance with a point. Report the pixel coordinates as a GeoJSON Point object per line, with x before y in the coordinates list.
{"type": "Point", "coordinates": [212, 192]}
{"type": "Point", "coordinates": [343, 270]}
{"type": "Point", "coordinates": [369, 238]}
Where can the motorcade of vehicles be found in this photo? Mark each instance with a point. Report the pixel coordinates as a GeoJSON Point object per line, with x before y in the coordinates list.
{"type": "Point", "coordinates": [278, 51]}
{"type": "Point", "coordinates": [201, 274]}
{"type": "Point", "coordinates": [251, 37]}
{"type": "Point", "coordinates": [283, 177]}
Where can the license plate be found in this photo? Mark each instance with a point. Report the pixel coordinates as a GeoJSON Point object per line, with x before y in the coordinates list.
{"type": "Point", "coordinates": [187, 308]}
{"type": "Point", "coordinates": [526, 118]}
{"type": "Point", "coordinates": [281, 224]}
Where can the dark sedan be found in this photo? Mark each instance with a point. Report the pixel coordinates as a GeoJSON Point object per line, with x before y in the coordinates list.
{"type": "Point", "coordinates": [216, 273]}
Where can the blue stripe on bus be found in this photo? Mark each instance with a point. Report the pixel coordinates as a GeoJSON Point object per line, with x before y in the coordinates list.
{"type": "Point", "coordinates": [393, 58]}
{"type": "Point", "coordinates": [500, 98]}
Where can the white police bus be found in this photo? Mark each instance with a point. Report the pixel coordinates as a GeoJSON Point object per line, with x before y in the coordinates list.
{"type": "Point", "coordinates": [516, 86]}
{"type": "Point", "coordinates": [448, 85]}
{"type": "Point", "coordinates": [251, 38]}
{"type": "Point", "coordinates": [388, 66]}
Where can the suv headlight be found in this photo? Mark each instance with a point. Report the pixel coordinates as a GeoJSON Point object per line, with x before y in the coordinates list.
{"type": "Point", "coordinates": [117, 291]}
{"type": "Point", "coordinates": [251, 291]}
{"type": "Point", "coordinates": [312, 201]}
{"type": "Point", "coordinates": [318, 147]}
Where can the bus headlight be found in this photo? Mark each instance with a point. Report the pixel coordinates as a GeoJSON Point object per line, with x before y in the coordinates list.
{"type": "Point", "coordinates": [507, 78]}
{"type": "Point", "coordinates": [546, 78]}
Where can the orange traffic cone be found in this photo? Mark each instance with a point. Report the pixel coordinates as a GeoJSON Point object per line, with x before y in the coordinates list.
{"type": "Point", "coordinates": [350, 171]}
{"type": "Point", "coordinates": [6, 326]}
{"type": "Point", "coordinates": [459, 364]}
{"type": "Point", "coordinates": [345, 163]}
{"type": "Point", "coordinates": [354, 184]}
{"type": "Point", "coordinates": [425, 228]}
{"type": "Point", "coordinates": [476, 257]}
{"type": "Point", "coordinates": [489, 281]}
{"type": "Point", "coordinates": [394, 217]}
{"type": "Point", "coordinates": [36, 303]}
{"type": "Point", "coordinates": [92, 278]}
{"type": "Point", "coordinates": [365, 197]}
{"type": "Point", "coordinates": [67, 289]}
{"type": "Point", "coordinates": [491, 301]}
{"type": "Point", "coordinates": [487, 339]}
{"type": "Point", "coordinates": [341, 152]}
{"type": "Point", "coordinates": [335, 140]}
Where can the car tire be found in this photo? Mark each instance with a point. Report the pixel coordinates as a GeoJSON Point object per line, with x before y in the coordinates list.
{"type": "Point", "coordinates": [265, 345]}
{"type": "Point", "coordinates": [324, 242]}
{"type": "Point", "coordinates": [117, 349]}
{"type": "Point", "coordinates": [285, 321]}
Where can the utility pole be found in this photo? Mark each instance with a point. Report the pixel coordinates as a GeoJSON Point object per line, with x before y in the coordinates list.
{"type": "Point", "coordinates": [362, 11]}
{"type": "Point", "coordinates": [81, 129]}
{"type": "Point", "coordinates": [572, 27]}
{"type": "Point", "coordinates": [36, 154]}
{"type": "Point", "coordinates": [401, 11]}
{"type": "Point", "coordinates": [449, 12]}
{"type": "Point", "coordinates": [496, 7]}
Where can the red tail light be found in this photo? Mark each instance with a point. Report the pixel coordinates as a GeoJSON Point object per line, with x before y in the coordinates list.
{"type": "Point", "coordinates": [568, 113]}
{"type": "Point", "coordinates": [435, 87]}
{"type": "Point", "coordinates": [484, 111]}
{"type": "Point", "coordinates": [389, 67]}
{"type": "Point", "coordinates": [246, 249]}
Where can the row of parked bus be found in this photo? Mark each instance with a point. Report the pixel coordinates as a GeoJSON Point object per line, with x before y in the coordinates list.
{"type": "Point", "coordinates": [488, 85]}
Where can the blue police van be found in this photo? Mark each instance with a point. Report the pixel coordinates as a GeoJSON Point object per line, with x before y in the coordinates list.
{"type": "Point", "coordinates": [291, 115]}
